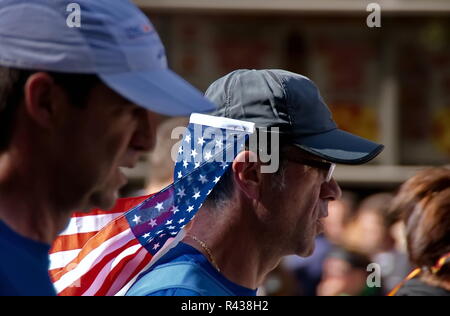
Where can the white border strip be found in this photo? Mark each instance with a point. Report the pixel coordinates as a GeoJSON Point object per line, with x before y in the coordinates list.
{"type": "Point", "coordinates": [222, 122]}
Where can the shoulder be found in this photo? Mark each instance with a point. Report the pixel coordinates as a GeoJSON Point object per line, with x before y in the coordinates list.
{"type": "Point", "coordinates": [417, 287]}
{"type": "Point", "coordinates": [174, 278]}
{"type": "Point", "coordinates": [174, 292]}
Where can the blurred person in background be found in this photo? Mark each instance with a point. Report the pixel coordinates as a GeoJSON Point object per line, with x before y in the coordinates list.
{"type": "Point", "coordinates": [423, 203]}
{"type": "Point", "coordinates": [160, 162]}
{"type": "Point", "coordinates": [370, 233]}
{"type": "Point", "coordinates": [340, 213]}
{"type": "Point", "coordinates": [345, 274]}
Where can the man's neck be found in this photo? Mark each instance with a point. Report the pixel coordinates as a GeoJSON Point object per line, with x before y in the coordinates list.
{"type": "Point", "coordinates": [242, 255]}
{"type": "Point", "coordinates": [25, 204]}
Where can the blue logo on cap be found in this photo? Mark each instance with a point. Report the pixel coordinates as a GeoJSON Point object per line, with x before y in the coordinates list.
{"type": "Point", "coordinates": [137, 31]}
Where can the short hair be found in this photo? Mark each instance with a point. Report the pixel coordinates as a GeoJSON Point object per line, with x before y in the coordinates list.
{"type": "Point", "coordinates": [224, 189]}
{"type": "Point", "coordinates": [12, 83]}
{"type": "Point", "coordinates": [423, 202]}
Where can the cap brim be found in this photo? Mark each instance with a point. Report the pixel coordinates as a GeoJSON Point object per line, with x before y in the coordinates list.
{"type": "Point", "coordinates": [161, 91]}
{"type": "Point", "coordinates": [338, 146]}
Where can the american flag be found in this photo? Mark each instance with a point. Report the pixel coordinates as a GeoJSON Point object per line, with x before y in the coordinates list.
{"type": "Point", "coordinates": [103, 252]}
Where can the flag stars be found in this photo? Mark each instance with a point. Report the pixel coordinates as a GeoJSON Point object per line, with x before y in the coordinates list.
{"type": "Point", "coordinates": [152, 223]}
{"type": "Point", "coordinates": [194, 153]}
{"type": "Point", "coordinates": [202, 179]}
{"type": "Point", "coordinates": [169, 222]}
{"type": "Point", "coordinates": [180, 150]}
{"type": "Point", "coordinates": [181, 221]}
{"type": "Point", "coordinates": [171, 227]}
{"type": "Point", "coordinates": [188, 138]}
{"type": "Point", "coordinates": [146, 235]}
{"type": "Point", "coordinates": [185, 164]}
{"type": "Point", "coordinates": [137, 219]}
{"type": "Point", "coordinates": [224, 165]}
{"type": "Point", "coordinates": [181, 193]}
{"type": "Point", "coordinates": [216, 180]}
{"type": "Point", "coordinates": [208, 155]}
{"type": "Point", "coordinates": [190, 209]}
{"type": "Point", "coordinates": [159, 207]}
{"type": "Point", "coordinates": [219, 143]}
{"type": "Point", "coordinates": [156, 246]}
{"type": "Point", "coordinates": [197, 164]}
{"type": "Point", "coordinates": [180, 175]}
{"type": "Point", "coordinates": [200, 141]}
{"type": "Point", "coordinates": [196, 195]}
{"type": "Point", "coordinates": [175, 210]}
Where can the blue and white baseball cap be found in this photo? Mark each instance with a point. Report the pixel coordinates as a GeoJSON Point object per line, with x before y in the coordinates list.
{"type": "Point", "coordinates": [115, 41]}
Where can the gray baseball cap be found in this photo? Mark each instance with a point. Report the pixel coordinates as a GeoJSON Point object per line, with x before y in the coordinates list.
{"type": "Point", "coordinates": [115, 41]}
{"type": "Point", "coordinates": [291, 102]}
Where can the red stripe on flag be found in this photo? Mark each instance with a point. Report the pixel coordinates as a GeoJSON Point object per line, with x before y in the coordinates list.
{"type": "Point", "coordinates": [83, 283]}
{"type": "Point", "coordinates": [71, 242]}
{"type": "Point", "coordinates": [116, 227]}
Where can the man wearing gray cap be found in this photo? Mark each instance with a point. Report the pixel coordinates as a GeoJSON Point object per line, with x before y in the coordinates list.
{"type": "Point", "coordinates": [76, 105]}
{"type": "Point", "coordinates": [252, 219]}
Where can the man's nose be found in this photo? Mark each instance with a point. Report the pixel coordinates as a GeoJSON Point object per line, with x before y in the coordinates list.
{"type": "Point", "coordinates": [330, 190]}
{"type": "Point", "coordinates": [144, 138]}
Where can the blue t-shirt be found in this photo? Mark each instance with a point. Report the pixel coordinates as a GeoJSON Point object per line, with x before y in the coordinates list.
{"type": "Point", "coordinates": [184, 271]}
{"type": "Point", "coordinates": [23, 265]}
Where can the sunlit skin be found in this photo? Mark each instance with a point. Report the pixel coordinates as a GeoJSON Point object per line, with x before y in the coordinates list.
{"type": "Point", "coordinates": [64, 158]}
{"type": "Point", "coordinates": [262, 224]}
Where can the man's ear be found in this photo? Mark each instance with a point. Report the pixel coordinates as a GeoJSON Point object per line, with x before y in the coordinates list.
{"type": "Point", "coordinates": [246, 169]}
{"type": "Point", "coordinates": [38, 98]}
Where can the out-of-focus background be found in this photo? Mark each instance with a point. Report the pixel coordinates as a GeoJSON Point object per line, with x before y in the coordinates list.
{"type": "Point", "coordinates": [390, 84]}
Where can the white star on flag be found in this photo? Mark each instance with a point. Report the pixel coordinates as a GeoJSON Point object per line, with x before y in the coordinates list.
{"type": "Point", "coordinates": [185, 163]}
{"type": "Point", "coordinates": [152, 223]}
{"type": "Point", "coordinates": [181, 193]}
{"type": "Point", "coordinates": [146, 235]}
{"type": "Point", "coordinates": [201, 141]}
{"type": "Point", "coordinates": [194, 153]}
{"type": "Point", "coordinates": [180, 175]}
{"type": "Point", "coordinates": [216, 180]}
{"type": "Point", "coordinates": [159, 207]}
{"type": "Point", "coordinates": [171, 227]}
{"type": "Point", "coordinates": [196, 195]}
{"type": "Point", "coordinates": [224, 165]}
{"type": "Point", "coordinates": [175, 210]}
{"type": "Point", "coordinates": [181, 221]}
{"type": "Point", "coordinates": [180, 150]}
{"type": "Point", "coordinates": [197, 164]}
{"type": "Point", "coordinates": [219, 143]}
{"type": "Point", "coordinates": [156, 246]}
{"type": "Point", "coordinates": [208, 155]}
{"type": "Point", "coordinates": [169, 222]}
{"type": "Point", "coordinates": [137, 219]}
{"type": "Point", "coordinates": [203, 179]}
{"type": "Point", "coordinates": [188, 138]}
{"type": "Point", "coordinates": [190, 209]}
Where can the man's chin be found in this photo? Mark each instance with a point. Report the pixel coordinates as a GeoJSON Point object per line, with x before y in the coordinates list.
{"type": "Point", "coordinates": [104, 201]}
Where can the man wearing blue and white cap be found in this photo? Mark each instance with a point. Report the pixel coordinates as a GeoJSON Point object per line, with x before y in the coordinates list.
{"type": "Point", "coordinates": [251, 219]}
{"type": "Point", "coordinates": [77, 102]}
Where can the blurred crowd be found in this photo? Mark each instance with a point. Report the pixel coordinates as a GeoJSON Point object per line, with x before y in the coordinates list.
{"type": "Point", "coordinates": [356, 234]}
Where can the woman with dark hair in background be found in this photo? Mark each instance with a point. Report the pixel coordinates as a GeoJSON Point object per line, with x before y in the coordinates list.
{"type": "Point", "coordinates": [424, 204]}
